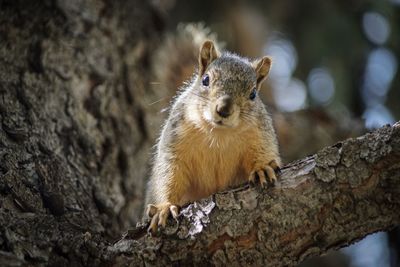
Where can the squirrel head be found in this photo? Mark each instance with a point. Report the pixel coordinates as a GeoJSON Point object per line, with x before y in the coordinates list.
{"type": "Point", "coordinates": [227, 86]}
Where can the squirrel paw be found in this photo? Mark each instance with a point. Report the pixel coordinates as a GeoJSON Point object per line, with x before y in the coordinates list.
{"type": "Point", "coordinates": [270, 171]}
{"type": "Point", "coordinates": [159, 214]}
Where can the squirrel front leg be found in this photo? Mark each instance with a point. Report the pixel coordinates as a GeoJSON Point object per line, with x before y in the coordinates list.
{"type": "Point", "coordinates": [263, 161]}
{"type": "Point", "coordinates": [167, 193]}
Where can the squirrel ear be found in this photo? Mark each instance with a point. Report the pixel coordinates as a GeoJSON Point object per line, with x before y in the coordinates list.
{"type": "Point", "coordinates": [208, 53]}
{"type": "Point", "coordinates": [262, 67]}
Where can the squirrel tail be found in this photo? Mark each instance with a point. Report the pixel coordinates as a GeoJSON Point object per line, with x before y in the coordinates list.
{"type": "Point", "coordinates": [176, 59]}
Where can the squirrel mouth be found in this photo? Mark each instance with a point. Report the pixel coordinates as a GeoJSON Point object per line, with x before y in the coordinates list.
{"type": "Point", "coordinates": [218, 124]}
{"type": "Point", "coordinates": [216, 121]}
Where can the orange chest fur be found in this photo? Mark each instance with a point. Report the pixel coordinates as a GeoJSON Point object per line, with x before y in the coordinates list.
{"type": "Point", "coordinates": [213, 160]}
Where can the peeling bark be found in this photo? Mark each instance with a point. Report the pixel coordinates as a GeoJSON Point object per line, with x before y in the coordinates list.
{"type": "Point", "coordinates": [320, 203]}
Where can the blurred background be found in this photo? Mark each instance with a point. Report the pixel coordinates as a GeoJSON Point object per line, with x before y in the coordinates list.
{"type": "Point", "coordinates": [334, 75]}
{"type": "Point", "coordinates": [341, 55]}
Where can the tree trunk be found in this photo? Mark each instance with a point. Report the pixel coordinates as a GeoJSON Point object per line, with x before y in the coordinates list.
{"type": "Point", "coordinates": [77, 124]}
{"type": "Point", "coordinates": [75, 127]}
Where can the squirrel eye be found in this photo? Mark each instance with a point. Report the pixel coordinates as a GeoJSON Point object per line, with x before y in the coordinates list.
{"type": "Point", "coordinates": [253, 94]}
{"type": "Point", "coordinates": [206, 80]}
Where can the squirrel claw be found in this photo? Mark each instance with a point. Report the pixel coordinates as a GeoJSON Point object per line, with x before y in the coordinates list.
{"type": "Point", "coordinates": [274, 165]}
{"type": "Point", "coordinates": [258, 175]}
{"type": "Point", "coordinates": [159, 215]}
{"type": "Point", "coordinates": [270, 171]}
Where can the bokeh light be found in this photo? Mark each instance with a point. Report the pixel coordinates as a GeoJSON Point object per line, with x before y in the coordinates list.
{"type": "Point", "coordinates": [372, 252]}
{"type": "Point", "coordinates": [380, 71]}
{"type": "Point", "coordinates": [292, 96]}
{"type": "Point", "coordinates": [321, 85]}
{"type": "Point", "coordinates": [289, 93]}
{"type": "Point", "coordinates": [284, 57]}
{"type": "Point", "coordinates": [376, 27]}
{"type": "Point", "coordinates": [377, 116]}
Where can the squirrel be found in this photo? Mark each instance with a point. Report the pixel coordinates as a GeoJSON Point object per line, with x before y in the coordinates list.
{"type": "Point", "coordinates": [218, 134]}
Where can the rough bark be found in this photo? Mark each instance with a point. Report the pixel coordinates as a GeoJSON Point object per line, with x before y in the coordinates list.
{"type": "Point", "coordinates": [322, 202]}
{"type": "Point", "coordinates": [75, 126]}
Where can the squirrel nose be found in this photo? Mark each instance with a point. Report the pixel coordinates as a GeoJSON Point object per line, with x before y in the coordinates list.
{"type": "Point", "coordinates": [224, 106]}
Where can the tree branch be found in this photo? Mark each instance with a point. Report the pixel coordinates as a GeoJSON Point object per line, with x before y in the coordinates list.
{"type": "Point", "coordinates": [322, 202]}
